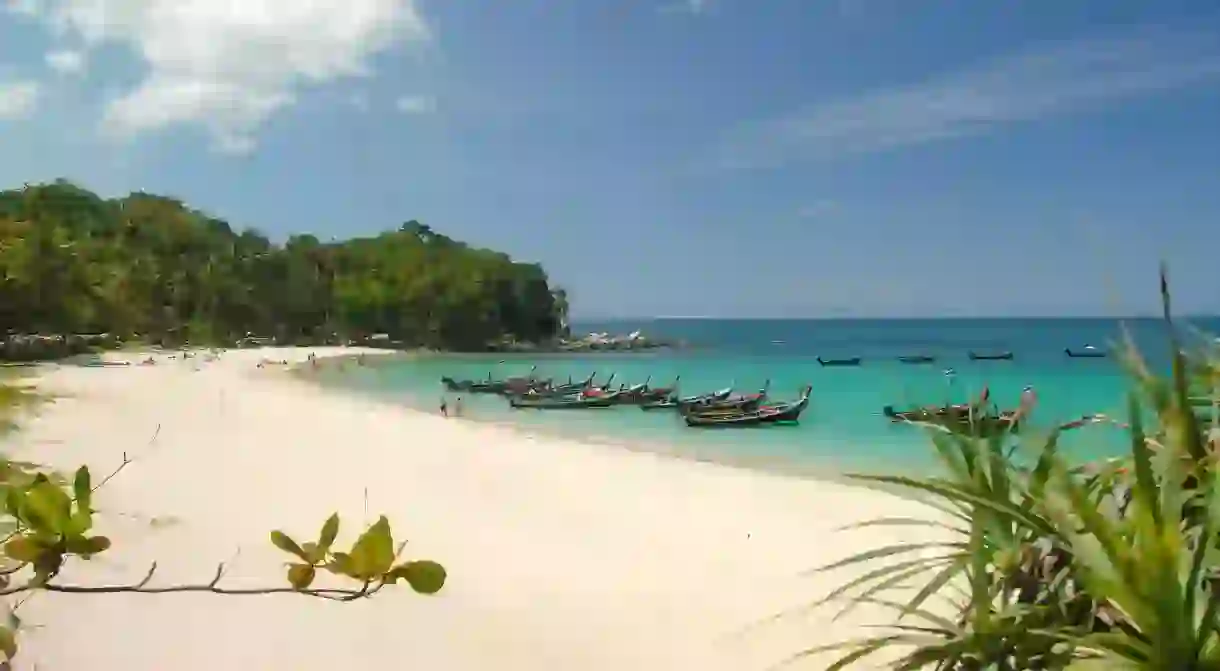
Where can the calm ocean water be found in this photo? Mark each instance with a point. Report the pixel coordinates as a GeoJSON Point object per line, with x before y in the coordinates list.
{"type": "Point", "coordinates": [843, 427]}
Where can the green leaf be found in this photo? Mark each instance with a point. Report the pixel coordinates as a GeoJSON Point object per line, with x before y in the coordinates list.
{"type": "Point", "coordinates": [373, 553]}
{"type": "Point", "coordinates": [8, 643]}
{"type": "Point", "coordinates": [330, 530]}
{"type": "Point", "coordinates": [87, 547]}
{"type": "Point", "coordinates": [301, 575]}
{"type": "Point", "coordinates": [82, 489]}
{"type": "Point", "coordinates": [281, 540]}
{"type": "Point", "coordinates": [312, 554]}
{"type": "Point", "coordinates": [424, 576]}
{"type": "Point", "coordinates": [23, 549]}
{"type": "Point", "coordinates": [47, 507]}
{"type": "Point", "coordinates": [342, 564]}
{"type": "Point", "coordinates": [14, 502]}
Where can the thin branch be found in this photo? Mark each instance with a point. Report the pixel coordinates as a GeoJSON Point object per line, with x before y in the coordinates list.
{"type": "Point", "coordinates": [367, 590]}
{"type": "Point", "coordinates": [127, 461]}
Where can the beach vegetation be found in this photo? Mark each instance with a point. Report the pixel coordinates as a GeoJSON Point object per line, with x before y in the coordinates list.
{"type": "Point", "coordinates": [1033, 561]}
{"type": "Point", "coordinates": [85, 272]}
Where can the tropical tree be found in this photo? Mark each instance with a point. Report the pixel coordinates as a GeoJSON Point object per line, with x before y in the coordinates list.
{"type": "Point", "coordinates": [73, 262]}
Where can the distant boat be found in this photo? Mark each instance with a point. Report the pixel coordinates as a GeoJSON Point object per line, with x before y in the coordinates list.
{"type": "Point", "coordinates": [1089, 352]}
{"type": "Point", "coordinates": [853, 361]}
{"type": "Point", "coordinates": [996, 356]}
{"type": "Point", "coordinates": [917, 358]}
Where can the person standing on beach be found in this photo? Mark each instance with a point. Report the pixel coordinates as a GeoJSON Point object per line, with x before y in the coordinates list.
{"type": "Point", "coordinates": [444, 406]}
{"type": "Point", "coordinates": [457, 407]}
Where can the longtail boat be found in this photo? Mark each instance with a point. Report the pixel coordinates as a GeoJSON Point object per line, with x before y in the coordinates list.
{"type": "Point", "coordinates": [994, 356]}
{"type": "Point", "coordinates": [489, 386]}
{"type": "Point", "coordinates": [698, 398]}
{"type": "Point", "coordinates": [960, 418]}
{"type": "Point", "coordinates": [568, 403]}
{"type": "Point", "coordinates": [853, 361]}
{"type": "Point", "coordinates": [924, 414]}
{"type": "Point", "coordinates": [1087, 353]}
{"type": "Point", "coordinates": [917, 358]}
{"type": "Point", "coordinates": [743, 403]}
{"type": "Point", "coordinates": [661, 393]}
{"type": "Point", "coordinates": [674, 402]}
{"type": "Point", "coordinates": [789, 411]}
{"type": "Point", "coordinates": [571, 386]}
{"type": "Point", "coordinates": [780, 413]}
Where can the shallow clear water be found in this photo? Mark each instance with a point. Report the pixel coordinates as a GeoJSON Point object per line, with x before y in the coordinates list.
{"type": "Point", "coordinates": [843, 427]}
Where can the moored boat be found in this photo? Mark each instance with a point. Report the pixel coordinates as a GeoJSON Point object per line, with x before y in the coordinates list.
{"type": "Point", "coordinates": [569, 403]}
{"type": "Point", "coordinates": [780, 413]}
{"type": "Point", "coordinates": [675, 402]}
{"type": "Point", "coordinates": [852, 361]}
{"type": "Point", "coordinates": [917, 358]}
{"type": "Point", "coordinates": [743, 403]}
{"type": "Point", "coordinates": [990, 356]}
{"type": "Point", "coordinates": [490, 386]}
{"type": "Point", "coordinates": [1089, 352]}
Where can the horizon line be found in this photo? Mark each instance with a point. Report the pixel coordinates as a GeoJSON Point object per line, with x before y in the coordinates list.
{"type": "Point", "coordinates": [578, 320]}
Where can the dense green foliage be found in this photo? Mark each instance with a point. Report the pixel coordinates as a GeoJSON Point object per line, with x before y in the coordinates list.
{"type": "Point", "coordinates": [1052, 565]}
{"type": "Point", "coordinates": [73, 262]}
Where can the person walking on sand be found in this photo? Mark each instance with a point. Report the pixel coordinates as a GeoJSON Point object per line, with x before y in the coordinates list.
{"type": "Point", "coordinates": [444, 407]}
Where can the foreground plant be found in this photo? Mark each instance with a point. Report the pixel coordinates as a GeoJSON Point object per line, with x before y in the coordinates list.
{"type": "Point", "coordinates": [47, 525]}
{"type": "Point", "coordinates": [1057, 566]}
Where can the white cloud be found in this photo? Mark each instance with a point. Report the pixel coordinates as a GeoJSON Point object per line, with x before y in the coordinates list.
{"type": "Point", "coordinates": [415, 104]}
{"type": "Point", "coordinates": [18, 99]}
{"type": "Point", "coordinates": [229, 66]}
{"type": "Point", "coordinates": [1055, 80]}
{"type": "Point", "coordinates": [22, 7]}
{"type": "Point", "coordinates": [66, 61]}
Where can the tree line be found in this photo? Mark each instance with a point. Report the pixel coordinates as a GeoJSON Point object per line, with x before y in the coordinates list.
{"type": "Point", "coordinates": [150, 267]}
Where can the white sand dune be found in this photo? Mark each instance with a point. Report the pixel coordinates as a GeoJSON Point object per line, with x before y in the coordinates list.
{"type": "Point", "coordinates": [560, 555]}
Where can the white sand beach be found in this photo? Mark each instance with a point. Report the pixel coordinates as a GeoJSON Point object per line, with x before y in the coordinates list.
{"type": "Point", "coordinates": [560, 555]}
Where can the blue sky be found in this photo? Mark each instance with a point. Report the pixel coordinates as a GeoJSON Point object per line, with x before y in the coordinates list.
{"type": "Point", "coordinates": [668, 157]}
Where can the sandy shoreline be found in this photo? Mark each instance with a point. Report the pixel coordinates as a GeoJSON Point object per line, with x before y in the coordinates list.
{"type": "Point", "coordinates": [561, 555]}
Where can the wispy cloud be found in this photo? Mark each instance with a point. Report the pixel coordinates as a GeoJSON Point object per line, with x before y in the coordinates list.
{"type": "Point", "coordinates": [66, 61]}
{"type": "Point", "coordinates": [1053, 80]}
{"type": "Point", "coordinates": [18, 99]}
{"type": "Point", "coordinates": [228, 67]}
{"type": "Point", "coordinates": [415, 104]}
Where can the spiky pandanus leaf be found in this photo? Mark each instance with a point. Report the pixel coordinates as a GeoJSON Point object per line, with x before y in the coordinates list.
{"type": "Point", "coordinates": [1116, 566]}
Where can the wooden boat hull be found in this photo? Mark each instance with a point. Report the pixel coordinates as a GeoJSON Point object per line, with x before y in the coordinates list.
{"type": "Point", "coordinates": [783, 413]}
{"type": "Point", "coordinates": [671, 402]}
{"type": "Point", "coordinates": [957, 418]}
{"type": "Point", "coordinates": [725, 421]}
{"type": "Point", "coordinates": [830, 363]}
{"type": "Point", "coordinates": [701, 398]}
{"type": "Point", "coordinates": [748, 404]}
{"type": "Point", "coordinates": [1086, 354]}
{"type": "Point", "coordinates": [1003, 356]}
{"type": "Point", "coordinates": [562, 404]}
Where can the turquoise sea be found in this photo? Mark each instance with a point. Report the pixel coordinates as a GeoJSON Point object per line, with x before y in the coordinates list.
{"type": "Point", "coordinates": [843, 427]}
